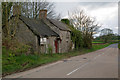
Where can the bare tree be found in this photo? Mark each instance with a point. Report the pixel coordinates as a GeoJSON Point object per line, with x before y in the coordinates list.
{"type": "Point", "coordinates": [6, 7]}
{"type": "Point", "coordinates": [58, 17]}
{"type": "Point", "coordinates": [31, 9]}
{"type": "Point", "coordinates": [84, 23]}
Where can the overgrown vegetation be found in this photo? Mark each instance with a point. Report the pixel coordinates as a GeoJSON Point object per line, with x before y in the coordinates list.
{"type": "Point", "coordinates": [15, 47]}
{"type": "Point", "coordinates": [80, 39]}
{"type": "Point", "coordinates": [76, 35]}
{"type": "Point", "coordinates": [6, 6]}
{"type": "Point", "coordinates": [107, 36]}
{"type": "Point", "coordinates": [97, 42]}
{"type": "Point", "coordinates": [15, 55]}
{"type": "Point", "coordinates": [85, 24]}
{"type": "Point", "coordinates": [119, 46]}
{"type": "Point", "coordinates": [49, 51]}
{"type": "Point", "coordinates": [14, 63]}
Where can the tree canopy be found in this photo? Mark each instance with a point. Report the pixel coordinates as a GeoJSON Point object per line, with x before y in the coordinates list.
{"type": "Point", "coordinates": [85, 24]}
{"type": "Point", "coordinates": [28, 9]}
{"type": "Point", "coordinates": [106, 34]}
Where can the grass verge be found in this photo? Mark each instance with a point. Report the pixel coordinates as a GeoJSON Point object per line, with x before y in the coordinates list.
{"type": "Point", "coordinates": [119, 45]}
{"type": "Point", "coordinates": [97, 42]}
{"type": "Point", "coordinates": [12, 63]}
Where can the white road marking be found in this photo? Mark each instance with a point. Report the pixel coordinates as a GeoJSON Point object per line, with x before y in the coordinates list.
{"type": "Point", "coordinates": [77, 68]}
{"type": "Point", "coordinates": [98, 56]}
{"type": "Point", "coordinates": [84, 64]}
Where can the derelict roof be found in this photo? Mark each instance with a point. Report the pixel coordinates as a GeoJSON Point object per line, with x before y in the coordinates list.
{"type": "Point", "coordinates": [38, 27]}
{"type": "Point", "coordinates": [59, 24]}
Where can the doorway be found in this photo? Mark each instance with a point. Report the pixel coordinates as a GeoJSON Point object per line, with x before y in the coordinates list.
{"type": "Point", "coordinates": [56, 46]}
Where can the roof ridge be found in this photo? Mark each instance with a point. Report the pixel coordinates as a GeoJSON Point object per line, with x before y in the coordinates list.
{"type": "Point", "coordinates": [49, 27]}
{"type": "Point", "coordinates": [64, 27]}
{"type": "Point", "coordinates": [38, 27]}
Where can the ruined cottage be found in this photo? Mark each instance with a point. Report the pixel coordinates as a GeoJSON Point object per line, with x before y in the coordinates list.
{"type": "Point", "coordinates": [42, 33]}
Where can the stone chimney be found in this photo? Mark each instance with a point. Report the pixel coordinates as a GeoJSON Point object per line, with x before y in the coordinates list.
{"type": "Point", "coordinates": [16, 10]}
{"type": "Point", "coordinates": [43, 14]}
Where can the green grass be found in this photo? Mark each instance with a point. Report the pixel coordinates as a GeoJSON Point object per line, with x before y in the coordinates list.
{"type": "Point", "coordinates": [12, 63]}
{"type": "Point", "coordinates": [96, 47]}
{"type": "Point", "coordinates": [119, 46]}
{"type": "Point", "coordinates": [97, 42]}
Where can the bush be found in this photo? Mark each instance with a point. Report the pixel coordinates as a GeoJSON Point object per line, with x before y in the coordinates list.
{"type": "Point", "coordinates": [119, 45]}
{"type": "Point", "coordinates": [15, 47]}
{"type": "Point", "coordinates": [87, 41]}
{"type": "Point", "coordinates": [76, 35]}
{"type": "Point", "coordinates": [49, 51]}
{"type": "Point", "coordinates": [77, 38]}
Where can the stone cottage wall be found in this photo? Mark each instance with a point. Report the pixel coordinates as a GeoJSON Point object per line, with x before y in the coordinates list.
{"type": "Point", "coordinates": [54, 28]}
{"type": "Point", "coordinates": [25, 35]}
{"type": "Point", "coordinates": [43, 48]}
{"type": "Point", "coordinates": [64, 45]}
{"type": "Point", "coordinates": [66, 41]}
{"type": "Point", "coordinates": [51, 42]}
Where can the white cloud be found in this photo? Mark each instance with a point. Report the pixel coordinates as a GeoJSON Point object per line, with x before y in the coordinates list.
{"type": "Point", "coordinates": [106, 13]}
{"type": "Point", "coordinates": [116, 28]}
{"type": "Point", "coordinates": [82, 0]}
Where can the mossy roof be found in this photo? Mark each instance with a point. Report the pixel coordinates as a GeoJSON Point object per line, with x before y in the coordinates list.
{"type": "Point", "coordinates": [60, 25]}
{"type": "Point", "coordinates": [38, 27]}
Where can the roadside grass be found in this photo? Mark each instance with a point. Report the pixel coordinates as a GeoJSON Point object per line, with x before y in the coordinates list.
{"type": "Point", "coordinates": [12, 63]}
{"type": "Point", "coordinates": [96, 47]}
{"type": "Point", "coordinates": [97, 42]}
{"type": "Point", "coordinates": [119, 45]}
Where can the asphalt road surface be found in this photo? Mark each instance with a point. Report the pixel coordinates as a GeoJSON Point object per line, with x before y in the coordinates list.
{"type": "Point", "coordinates": [98, 64]}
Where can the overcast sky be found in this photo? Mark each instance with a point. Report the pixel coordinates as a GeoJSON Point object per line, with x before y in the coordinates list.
{"type": "Point", "coordinates": [106, 13]}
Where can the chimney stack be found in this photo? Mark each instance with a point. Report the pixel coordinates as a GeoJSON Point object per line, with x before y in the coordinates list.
{"type": "Point", "coordinates": [43, 14]}
{"type": "Point", "coordinates": [16, 10]}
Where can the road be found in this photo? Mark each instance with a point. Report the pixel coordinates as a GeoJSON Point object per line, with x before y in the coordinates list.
{"type": "Point", "coordinates": [98, 64]}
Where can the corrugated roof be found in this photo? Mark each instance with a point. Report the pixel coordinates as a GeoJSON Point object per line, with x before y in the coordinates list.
{"type": "Point", "coordinates": [59, 24]}
{"type": "Point", "coordinates": [38, 27]}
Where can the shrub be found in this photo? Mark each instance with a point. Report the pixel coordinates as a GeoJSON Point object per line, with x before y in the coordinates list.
{"type": "Point", "coordinates": [119, 45]}
{"type": "Point", "coordinates": [15, 47]}
{"type": "Point", "coordinates": [77, 38]}
{"type": "Point", "coordinates": [87, 41]}
{"type": "Point", "coordinates": [49, 51]}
